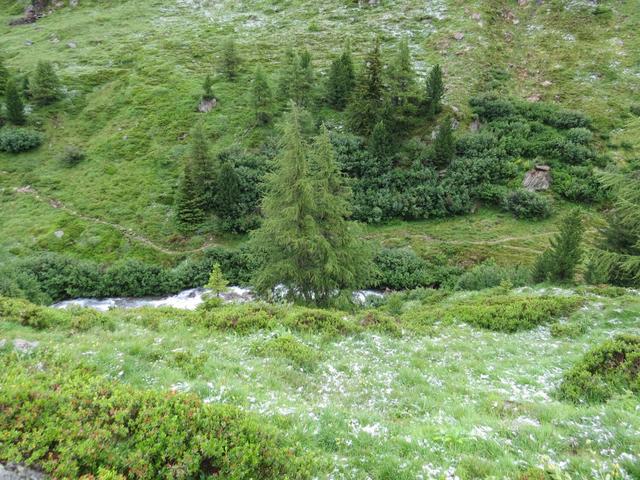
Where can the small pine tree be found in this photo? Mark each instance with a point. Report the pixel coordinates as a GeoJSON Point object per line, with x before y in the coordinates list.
{"type": "Point", "coordinates": [230, 60]}
{"type": "Point", "coordinates": [189, 213]}
{"type": "Point", "coordinates": [216, 286]}
{"type": "Point", "coordinates": [202, 169]}
{"type": "Point", "coordinates": [45, 85]}
{"type": "Point", "coordinates": [341, 80]}
{"type": "Point", "coordinates": [227, 196]}
{"type": "Point", "coordinates": [4, 77]}
{"type": "Point", "coordinates": [402, 75]}
{"type": "Point", "coordinates": [380, 147]}
{"type": "Point", "coordinates": [207, 88]}
{"type": "Point", "coordinates": [261, 98]}
{"type": "Point", "coordinates": [13, 104]}
{"type": "Point", "coordinates": [434, 92]}
{"type": "Point", "coordinates": [560, 261]}
{"type": "Point", "coordinates": [444, 145]}
{"type": "Point", "coordinates": [368, 103]}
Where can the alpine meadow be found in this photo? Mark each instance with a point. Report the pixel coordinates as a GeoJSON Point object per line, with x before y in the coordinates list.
{"type": "Point", "coordinates": [336, 240]}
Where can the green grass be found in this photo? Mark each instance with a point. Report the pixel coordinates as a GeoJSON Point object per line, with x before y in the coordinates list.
{"type": "Point", "coordinates": [464, 400]}
{"type": "Point", "coordinates": [134, 78]}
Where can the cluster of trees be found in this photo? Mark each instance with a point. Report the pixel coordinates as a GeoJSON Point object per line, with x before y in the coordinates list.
{"type": "Point", "coordinates": [42, 88]}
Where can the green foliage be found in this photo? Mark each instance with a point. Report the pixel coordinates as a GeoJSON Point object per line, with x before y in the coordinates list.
{"type": "Point", "coordinates": [72, 422]}
{"type": "Point", "coordinates": [4, 77]}
{"type": "Point", "coordinates": [402, 75]}
{"type": "Point", "coordinates": [230, 60]}
{"type": "Point", "coordinates": [499, 312]}
{"type": "Point", "coordinates": [216, 285]}
{"type": "Point", "coordinates": [72, 156]}
{"type": "Point", "coordinates": [44, 87]}
{"type": "Point", "coordinates": [227, 194]}
{"type": "Point", "coordinates": [288, 348]}
{"type": "Point", "coordinates": [488, 274]}
{"type": "Point", "coordinates": [306, 243]}
{"type": "Point", "coordinates": [207, 88]}
{"type": "Point", "coordinates": [296, 79]}
{"type": "Point", "coordinates": [261, 98]}
{"type": "Point", "coordinates": [341, 80]}
{"type": "Point", "coordinates": [40, 318]}
{"type": "Point", "coordinates": [190, 363]}
{"type": "Point", "coordinates": [401, 269]}
{"type": "Point", "coordinates": [560, 261]}
{"type": "Point", "coordinates": [572, 329]}
{"type": "Point", "coordinates": [13, 103]}
{"type": "Point", "coordinates": [527, 205]}
{"type": "Point", "coordinates": [434, 91]}
{"type": "Point", "coordinates": [17, 140]}
{"type": "Point", "coordinates": [444, 144]}
{"type": "Point", "coordinates": [368, 104]}
{"type": "Point", "coordinates": [608, 369]}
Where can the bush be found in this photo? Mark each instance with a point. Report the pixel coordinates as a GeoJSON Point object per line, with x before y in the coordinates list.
{"type": "Point", "coordinates": [527, 205]}
{"type": "Point", "coordinates": [503, 313]}
{"type": "Point", "coordinates": [489, 274]}
{"type": "Point", "coordinates": [581, 136]}
{"type": "Point", "coordinates": [635, 109]}
{"type": "Point", "coordinates": [72, 423]}
{"type": "Point", "coordinates": [606, 370]}
{"type": "Point", "coordinates": [288, 348]}
{"type": "Point", "coordinates": [400, 270]}
{"type": "Point", "coordinates": [579, 184]}
{"type": "Point", "coordinates": [72, 156]}
{"type": "Point", "coordinates": [17, 140]}
{"type": "Point", "coordinates": [568, 329]}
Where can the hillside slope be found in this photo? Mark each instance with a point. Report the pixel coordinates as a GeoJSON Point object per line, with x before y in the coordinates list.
{"type": "Point", "coordinates": [132, 71]}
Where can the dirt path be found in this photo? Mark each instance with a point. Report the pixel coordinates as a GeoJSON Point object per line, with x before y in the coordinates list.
{"type": "Point", "coordinates": [127, 232]}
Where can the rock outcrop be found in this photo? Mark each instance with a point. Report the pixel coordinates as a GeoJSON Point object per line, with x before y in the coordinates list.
{"type": "Point", "coordinates": [538, 178]}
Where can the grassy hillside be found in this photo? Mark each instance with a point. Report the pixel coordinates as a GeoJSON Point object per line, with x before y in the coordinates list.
{"type": "Point", "coordinates": [132, 72]}
{"type": "Point", "coordinates": [414, 389]}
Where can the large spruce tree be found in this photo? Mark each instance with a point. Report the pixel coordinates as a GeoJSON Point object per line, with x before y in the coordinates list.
{"type": "Point", "coordinates": [13, 104]}
{"type": "Point", "coordinates": [444, 144]}
{"type": "Point", "coordinates": [227, 193]}
{"type": "Point", "coordinates": [368, 103]}
{"type": "Point", "coordinates": [45, 85]}
{"type": "Point", "coordinates": [305, 242]}
{"type": "Point", "coordinates": [296, 78]}
{"type": "Point", "coordinates": [341, 80]}
{"type": "Point", "coordinates": [189, 212]}
{"type": "Point", "coordinates": [402, 75]}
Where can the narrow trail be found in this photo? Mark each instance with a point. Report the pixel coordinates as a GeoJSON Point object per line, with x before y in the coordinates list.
{"type": "Point", "coordinates": [127, 232]}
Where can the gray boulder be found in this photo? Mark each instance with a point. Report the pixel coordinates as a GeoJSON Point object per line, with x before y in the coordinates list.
{"type": "Point", "coordinates": [538, 179]}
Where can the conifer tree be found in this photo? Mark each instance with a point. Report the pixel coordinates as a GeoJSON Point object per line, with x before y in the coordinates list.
{"type": "Point", "coordinates": [4, 77]}
{"type": "Point", "coordinates": [216, 286]}
{"type": "Point", "coordinates": [434, 91]}
{"type": "Point", "coordinates": [13, 104]}
{"type": "Point", "coordinates": [560, 261]}
{"type": "Point", "coordinates": [45, 86]}
{"type": "Point", "coordinates": [402, 75]}
{"type": "Point", "coordinates": [380, 147]}
{"type": "Point", "coordinates": [202, 168]}
{"type": "Point", "coordinates": [444, 145]}
{"type": "Point", "coordinates": [367, 106]}
{"type": "Point", "coordinates": [296, 78]}
{"type": "Point", "coordinates": [230, 60]}
{"type": "Point", "coordinates": [305, 242]}
{"type": "Point", "coordinates": [618, 254]}
{"type": "Point", "coordinates": [207, 88]}
{"type": "Point", "coordinates": [189, 213]}
{"type": "Point", "coordinates": [227, 195]}
{"type": "Point", "coordinates": [261, 98]}
{"type": "Point", "coordinates": [341, 80]}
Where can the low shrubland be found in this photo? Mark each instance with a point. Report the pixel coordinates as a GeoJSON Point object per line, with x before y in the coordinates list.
{"type": "Point", "coordinates": [608, 369]}
{"type": "Point", "coordinates": [72, 423]}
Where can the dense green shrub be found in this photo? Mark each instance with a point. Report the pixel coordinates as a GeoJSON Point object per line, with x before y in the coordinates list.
{"type": "Point", "coordinates": [579, 184]}
{"type": "Point", "coordinates": [288, 348]}
{"type": "Point", "coordinates": [16, 140]}
{"type": "Point", "coordinates": [568, 329]}
{"type": "Point", "coordinates": [72, 156]}
{"type": "Point", "coordinates": [489, 274]}
{"type": "Point", "coordinates": [71, 423]}
{"type": "Point", "coordinates": [504, 313]}
{"type": "Point", "coordinates": [133, 278]}
{"type": "Point", "coordinates": [635, 109]}
{"type": "Point", "coordinates": [401, 269]}
{"type": "Point", "coordinates": [19, 284]}
{"type": "Point", "coordinates": [527, 205]}
{"type": "Point", "coordinates": [610, 368]}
